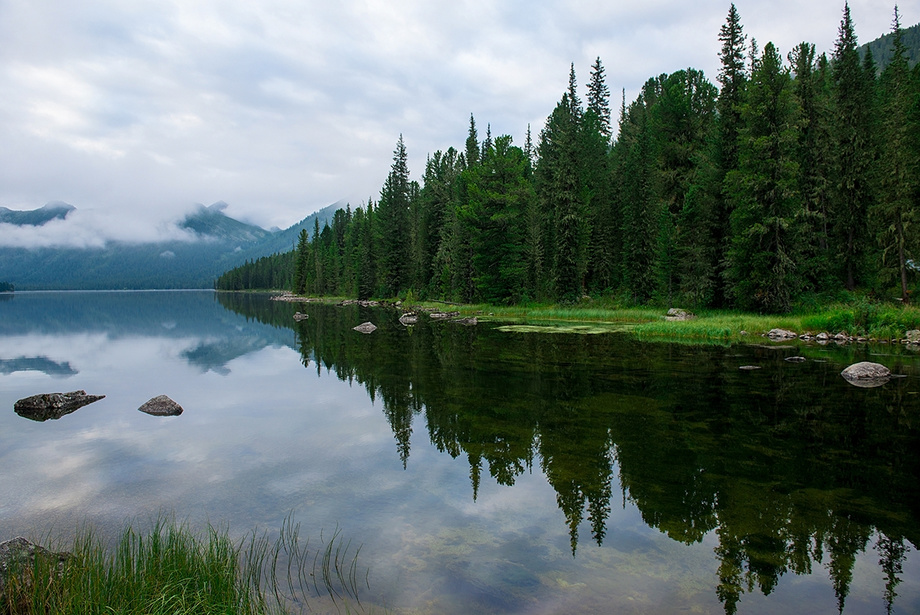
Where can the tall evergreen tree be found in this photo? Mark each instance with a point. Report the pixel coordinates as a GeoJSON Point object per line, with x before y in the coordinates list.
{"type": "Point", "coordinates": [599, 97]}
{"type": "Point", "coordinates": [393, 225]}
{"type": "Point", "coordinates": [684, 125]}
{"type": "Point", "coordinates": [763, 257]}
{"type": "Point", "coordinates": [732, 78]}
{"type": "Point", "coordinates": [812, 89]}
{"type": "Point", "coordinates": [852, 136]}
{"type": "Point", "coordinates": [566, 231]}
{"type": "Point", "coordinates": [896, 212]}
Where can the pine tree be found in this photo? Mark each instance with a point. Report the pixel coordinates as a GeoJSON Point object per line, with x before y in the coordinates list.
{"type": "Point", "coordinates": [853, 148]}
{"type": "Point", "coordinates": [766, 203]}
{"type": "Point", "coordinates": [393, 232]}
{"type": "Point", "coordinates": [683, 120]}
{"type": "Point", "coordinates": [896, 211]}
{"type": "Point", "coordinates": [732, 77]}
{"type": "Point", "coordinates": [472, 145]}
{"type": "Point", "coordinates": [814, 155]}
{"type": "Point", "coordinates": [599, 97]}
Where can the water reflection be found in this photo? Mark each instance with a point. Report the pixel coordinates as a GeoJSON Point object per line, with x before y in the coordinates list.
{"type": "Point", "coordinates": [45, 365]}
{"type": "Point", "coordinates": [788, 467]}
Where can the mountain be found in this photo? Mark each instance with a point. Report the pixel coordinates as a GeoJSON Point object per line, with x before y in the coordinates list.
{"type": "Point", "coordinates": [36, 217]}
{"type": "Point", "coordinates": [883, 47]}
{"type": "Point", "coordinates": [219, 243]}
{"type": "Point", "coordinates": [211, 222]}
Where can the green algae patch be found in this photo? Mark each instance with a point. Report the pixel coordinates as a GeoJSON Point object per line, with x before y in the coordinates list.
{"type": "Point", "coordinates": [582, 329]}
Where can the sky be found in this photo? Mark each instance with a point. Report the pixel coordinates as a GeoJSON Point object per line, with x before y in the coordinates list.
{"type": "Point", "coordinates": [134, 112]}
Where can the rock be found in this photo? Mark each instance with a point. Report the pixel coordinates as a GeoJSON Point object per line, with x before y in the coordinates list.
{"type": "Point", "coordinates": [443, 315]}
{"type": "Point", "coordinates": [841, 337]}
{"type": "Point", "coordinates": [161, 406]}
{"type": "Point", "coordinates": [53, 405]}
{"type": "Point", "coordinates": [866, 374]}
{"type": "Point", "coordinates": [749, 368]}
{"type": "Point", "coordinates": [298, 316]}
{"type": "Point", "coordinates": [795, 359]}
{"type": "Point", "coordinates": [409, 318]}
{"type": "Point", "coordinates": [366, 327]}
{"type": "Point", "coordinates": [781, 334]}
{"type": "Point", "coordinates": [679, 314]}
{"type": "Point", "coordinates": [19, 555]}
{"type": "Point", "coordinates": [822, 337]}
{"type": "Point", "coordinates": [465, 321]}
{"type": "Point", "coordinates": [913, 336]}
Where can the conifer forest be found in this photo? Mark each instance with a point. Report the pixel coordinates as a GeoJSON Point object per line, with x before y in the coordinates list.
{"type": "Point", "coordinates": [792, 178]}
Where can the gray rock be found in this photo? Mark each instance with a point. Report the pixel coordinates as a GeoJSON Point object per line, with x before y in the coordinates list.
{"type": "Point", "coordinates": [161, 405]}
{"type": "Point", "coordinates": [781, 334]}
{"type": "Point", "coordinates": [795, 359]}
{"type": "Point", "coordinates": [866, 374]}
{"type": "Point", "coordinates": [913, 336]}
{"type": "Point", "coordinates": [679, 314]}
{"type": "Point", "coordinates": [465, 321]}
{"type": "Point", "coordinates": [822, 336]}
{"type": "Point", "coordinates": [366, 327]}
{"type": "Point", "coordinates": [749, 368]}
{"type": "Point", "coordinates": [53, 405]}
{"type": "Point", "coordinates": [298, 316]}
{"type": "Point", "coordinates": [443, 315]}
{"type": "Point", "coordinates": [409, 318]}
{"type": "Point", "coordinates": [19, 555]}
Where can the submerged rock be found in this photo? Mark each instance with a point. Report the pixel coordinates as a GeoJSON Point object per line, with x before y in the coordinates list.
{"type": "Point", "coordinates": [465, 321]}
{"type": "Point", "coordinates": [866, 374]}
{"type": "Point", "coordinates": [53, 405]}
{"type": "Point", "coordinates": [18, 556]}
{"type": "Point", "coordinates": [298, 316]}
{"type": "Point", "coordinates": [366, 327]}
{"type": "Point", "coordinates": [443, 315]}
{"type": "Point", "coordinates": [749, 368]}
{"type": "Point", "coordinates": [161, 405]}
{"type": "Point", "coordinates": [781, 334]}
{"type": "Point", "coordinates": [795, 359]}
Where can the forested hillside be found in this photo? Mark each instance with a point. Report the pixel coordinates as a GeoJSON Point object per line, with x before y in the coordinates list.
{"type": "Point", "coordinates": [796, 177]}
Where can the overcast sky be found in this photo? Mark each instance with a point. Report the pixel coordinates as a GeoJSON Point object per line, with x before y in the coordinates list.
{"type": "Point", "coordinates": [133, 111]}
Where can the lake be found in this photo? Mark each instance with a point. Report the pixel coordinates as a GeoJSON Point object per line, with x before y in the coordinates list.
{"type": "Point", "coordinates": [479, 469]}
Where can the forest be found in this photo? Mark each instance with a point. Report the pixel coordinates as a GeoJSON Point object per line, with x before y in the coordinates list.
{"type": "Point", "coordinates": [793, 181]}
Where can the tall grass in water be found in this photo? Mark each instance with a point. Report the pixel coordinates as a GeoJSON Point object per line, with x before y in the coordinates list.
{"type": "Point", "coordinates": [172, 570]}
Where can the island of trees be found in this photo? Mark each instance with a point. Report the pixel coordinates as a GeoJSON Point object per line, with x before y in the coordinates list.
{"type": "Point", "coordinates": [796, 178]}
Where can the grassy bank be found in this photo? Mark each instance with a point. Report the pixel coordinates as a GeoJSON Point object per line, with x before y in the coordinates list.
{"type": "Point", "coordinates": [173, 570]}
{"type": "Point", "coordinates": [859, 319]}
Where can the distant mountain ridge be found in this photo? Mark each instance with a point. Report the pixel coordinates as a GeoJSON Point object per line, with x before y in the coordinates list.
{"type": "Point", "coordinates": [36, 217]}
{"type": "Point", "coordinates": [883, 47]}
{"type": "Point", "coordinates": [221, 243]}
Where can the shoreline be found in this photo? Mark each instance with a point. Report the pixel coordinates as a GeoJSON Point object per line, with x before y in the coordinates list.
{"type": "Point", "coordinates": [841, 324]}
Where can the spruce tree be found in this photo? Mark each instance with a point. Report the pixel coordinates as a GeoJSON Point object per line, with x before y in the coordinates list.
{"type": "Point", "coordinates": [896, 212]}
{"type": "Point", "coordinates": [599, 97]}
{"type": "Point", "coordinates": [732, 78]}
{"type": "Point", "coordinates": [766, 202]}
{"type": "Point", "coordinates": [393, 232]}
{"type": "Point", "coordinates": [853, 149]}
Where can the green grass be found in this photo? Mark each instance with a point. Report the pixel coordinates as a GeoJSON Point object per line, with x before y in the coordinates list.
{"type": "Point", "coordinates": [172, 570]}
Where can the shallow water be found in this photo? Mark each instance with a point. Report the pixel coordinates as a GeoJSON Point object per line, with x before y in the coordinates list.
{"type": "Point", "coordinates": [479, 469]}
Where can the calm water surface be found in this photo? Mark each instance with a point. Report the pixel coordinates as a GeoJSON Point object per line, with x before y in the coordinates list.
{"type": "Point", "coordinates": [481, 470]}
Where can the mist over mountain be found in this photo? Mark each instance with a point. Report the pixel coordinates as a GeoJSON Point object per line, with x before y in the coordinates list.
{"type": "Point", "coordinates": [55, 210]}
{"type": "Point", "coordinates": [204, 244]}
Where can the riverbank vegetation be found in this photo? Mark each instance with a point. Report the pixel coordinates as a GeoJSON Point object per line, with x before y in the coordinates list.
{"type": "Point", "coordinates": [173, 570]}
{"type": "Point", "coordinates": [797, 178]}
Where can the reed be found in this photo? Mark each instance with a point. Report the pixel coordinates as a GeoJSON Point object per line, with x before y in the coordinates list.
{"type": "Point", "coordinates": [173, 570]}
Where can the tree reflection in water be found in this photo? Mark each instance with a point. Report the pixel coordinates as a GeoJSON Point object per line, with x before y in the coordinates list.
{"type": "Point", "coordinates": [789, 466]}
